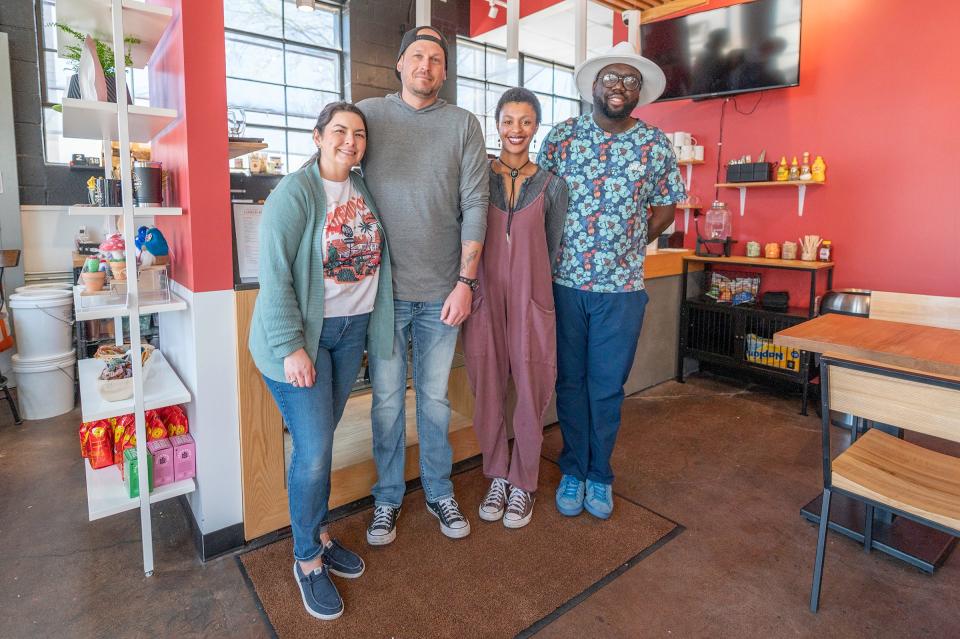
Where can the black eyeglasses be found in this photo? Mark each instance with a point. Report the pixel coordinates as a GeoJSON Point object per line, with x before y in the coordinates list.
{"type": "Point", "coordinates": [630, 82]}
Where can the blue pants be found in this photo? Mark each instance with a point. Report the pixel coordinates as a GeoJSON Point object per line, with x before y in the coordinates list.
{"type": "Point", "coordinates": [433, 346]}
{"type": "Point", "coordinates": [597, 337]}
{"type": "Point", "coordinates": [311, 415]}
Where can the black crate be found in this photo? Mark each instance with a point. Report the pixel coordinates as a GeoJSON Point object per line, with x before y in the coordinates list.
{"type": "Point", "coordinates": [753, 172]}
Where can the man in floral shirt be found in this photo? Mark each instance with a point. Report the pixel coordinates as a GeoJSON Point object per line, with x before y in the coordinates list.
{"type": "Point", "coordinates": [623, 186]}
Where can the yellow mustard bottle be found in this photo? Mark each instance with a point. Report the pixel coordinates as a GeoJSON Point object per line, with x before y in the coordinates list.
{"type": "Point", "coordinates": [819, 170]}
{"type": "Point", "coordinates": [782, 171]}
{"type": "Point", "coordinates": [794, 169]}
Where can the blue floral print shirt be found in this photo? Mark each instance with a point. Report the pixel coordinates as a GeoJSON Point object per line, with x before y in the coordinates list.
{"type": "Point", "coordinates": [612, 179]}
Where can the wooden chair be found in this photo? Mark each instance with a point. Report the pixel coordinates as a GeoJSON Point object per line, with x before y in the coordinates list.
{"type": "Point", "coordinates": [8, 258]}
{"type": "Point", "coordinates": [928, 310]}
{"type": "Point", "coordinates": [881, 470]}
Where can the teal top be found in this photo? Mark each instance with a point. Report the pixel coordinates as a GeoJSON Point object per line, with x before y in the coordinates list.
{"type": "Point", "coordinates": [289, 312]}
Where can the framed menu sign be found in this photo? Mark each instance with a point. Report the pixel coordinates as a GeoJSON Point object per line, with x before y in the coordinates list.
{"type": "Point", "coordinates": [246, 229]}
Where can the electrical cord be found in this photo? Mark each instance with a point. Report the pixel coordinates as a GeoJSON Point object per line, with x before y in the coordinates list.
{"type": "Point", "coordinates": [723, 111]}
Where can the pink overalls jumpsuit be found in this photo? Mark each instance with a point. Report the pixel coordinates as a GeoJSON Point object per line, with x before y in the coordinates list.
{"type": "Point", "coordinates": [512, 331]}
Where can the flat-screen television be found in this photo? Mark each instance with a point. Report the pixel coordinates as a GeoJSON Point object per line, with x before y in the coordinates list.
{"type": "Point", "coordinates": [745, 47]}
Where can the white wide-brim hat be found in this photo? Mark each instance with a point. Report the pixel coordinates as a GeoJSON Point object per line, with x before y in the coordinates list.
{"type": "Point", "coordinates": [654, 82]}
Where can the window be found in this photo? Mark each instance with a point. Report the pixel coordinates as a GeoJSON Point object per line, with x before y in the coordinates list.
{"type": "Point", "coordinates": [283, 67]}
{"type": "Point", "coordinates": [56, 73]}
{"type": "Point", "coordinates": [483, 74]}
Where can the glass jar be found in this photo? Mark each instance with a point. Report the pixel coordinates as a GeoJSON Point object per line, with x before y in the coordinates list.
{"type": "Point", "coordinates": [718, 224]}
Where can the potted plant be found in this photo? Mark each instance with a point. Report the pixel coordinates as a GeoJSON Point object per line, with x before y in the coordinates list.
{"type": "Point", "coordinates": [91, 276]}
{"type": "Point", "coordinates": [107, 62]}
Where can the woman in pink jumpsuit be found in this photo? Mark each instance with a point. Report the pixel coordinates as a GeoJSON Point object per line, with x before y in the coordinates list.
{"type": "Point", "coordinates": [511, 331]}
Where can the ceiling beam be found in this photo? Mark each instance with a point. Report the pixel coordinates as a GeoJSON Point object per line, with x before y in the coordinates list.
{"type": "Point", "coordinates": [651, 9]}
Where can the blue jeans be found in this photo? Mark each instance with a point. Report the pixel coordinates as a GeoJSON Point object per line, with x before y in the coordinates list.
{"type": "Point", "coordinates": [311, 415]}
{"type": "Point", "coordinates": [597, 337]}
{"type": "Point", "coordinates": [433, 346]}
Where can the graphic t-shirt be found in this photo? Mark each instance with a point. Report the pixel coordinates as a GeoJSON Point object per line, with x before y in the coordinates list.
{"type": "Point", "coordinates": [612, 179]}
{"type": "Point", "coordinates": [351, 252]}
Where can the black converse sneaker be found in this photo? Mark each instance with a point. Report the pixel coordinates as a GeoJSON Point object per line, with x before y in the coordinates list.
{"type": "Point", "coordinates": [383, 528]}
{"type": "Point", "coordinates": [452, 522]}
{"type": "Point", "coordinates": [496, 500]}
{"type": "Point", "coordinates": [519, 508]}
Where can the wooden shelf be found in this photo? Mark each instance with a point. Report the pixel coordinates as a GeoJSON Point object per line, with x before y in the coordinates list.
{"type": "Point", "coordinates": [690, 162]}
{"type": "Point", "coordinates": [138, 211]}
{"type": "Point", "coordinates": [106, 494]}
{"type": "Point", "coordinates": [801, 187]}
{"type": "Point", "coordinates": [92, 120]}
{"type": "Point", "coordinates": [236, 149]}
{"type": "Point", "coordinates": [741, 185]}
{"type": "Point", "coordinates": [143, 21]}
{"type": "Point", "coordinates": [108, 311]}
{"type": "Point", "coordinates": [797, 265]}
{"type": "Point", "coordinates": [161, 388]}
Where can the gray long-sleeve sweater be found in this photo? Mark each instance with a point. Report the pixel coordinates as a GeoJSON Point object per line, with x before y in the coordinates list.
{"type": "Point", "coordinates": [427, 171]}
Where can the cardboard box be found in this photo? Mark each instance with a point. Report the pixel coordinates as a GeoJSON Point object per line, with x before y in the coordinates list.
{"type": "Point", "coordinates": [162, 452]}
{"type": "Point", "coordinates": [131, 472]}
{"type": "Point", "coordinates": [184, 452]}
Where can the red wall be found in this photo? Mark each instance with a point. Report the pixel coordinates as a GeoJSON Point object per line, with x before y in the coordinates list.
{"type": "Point", "coordinates": [878, 99]}
{"type": "Point", "coordinates": [480, 22]}
{"type": "Point", "coordinates": [194, 149]}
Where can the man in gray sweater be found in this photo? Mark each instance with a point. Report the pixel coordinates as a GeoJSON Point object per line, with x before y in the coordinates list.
{"type": "Point", "coordinates": [426, 169]}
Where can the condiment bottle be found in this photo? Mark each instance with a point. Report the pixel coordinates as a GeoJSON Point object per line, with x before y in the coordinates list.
{"type": "Point", "coordinates": [794, 169]}
{"type": "Point", "coordinates": [819, 170]}
{"type": "Point", "coordinates": [783, 172]}
{"type": "Point", "coordinates": [826, 252]}
{"type": "Point", "coordinates": [805, 167]}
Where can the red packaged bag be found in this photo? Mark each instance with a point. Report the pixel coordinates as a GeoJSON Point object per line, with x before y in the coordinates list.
{"type": "Point", "coordinates": [124, 437]}
{"type": "Point", "coordinates": [175, 420]}
{"type": "Point", "coordinates": [99, 445]}
{"type": "Point", "coordinates": [84, 433]}
{"type": "Point", "coordinates": [155, 426]}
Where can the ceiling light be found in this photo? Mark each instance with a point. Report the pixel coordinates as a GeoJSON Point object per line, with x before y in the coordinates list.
{"type": "Point", "coordinates": [305, 5]}
{"type": "Point", "coordinates": [513, 30]}
{"type": "Point", "coordinates": [492, 13]}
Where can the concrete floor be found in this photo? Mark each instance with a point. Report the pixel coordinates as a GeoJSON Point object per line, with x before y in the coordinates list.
{"type": "Point", "coordinates": [730, 462]}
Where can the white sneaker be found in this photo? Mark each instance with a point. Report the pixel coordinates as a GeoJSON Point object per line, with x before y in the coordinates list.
{"type": "Point", "coordinates": [496, 500]}
{"type": "Point", "coordinates": [519, 508]}
{"type": "Point", "coordinates": [452, 522]}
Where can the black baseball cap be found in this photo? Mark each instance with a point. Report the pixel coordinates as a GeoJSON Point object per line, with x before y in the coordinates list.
{"type": "Point", "coordinates": [412, 36]}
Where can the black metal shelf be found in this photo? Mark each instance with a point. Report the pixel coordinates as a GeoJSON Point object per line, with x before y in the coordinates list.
{"type": "Point", "coordinates": [722, 334]}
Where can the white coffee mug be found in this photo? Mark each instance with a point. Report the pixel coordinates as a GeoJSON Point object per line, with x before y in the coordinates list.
{"type": "Point", "coordinates": [681, 138]}
{"type": "Point", "coordinates": [687, 153]}
{"type": "Point", "coordinates": [670, 137]}
{"type": "Point", "coordinates": [676, 151]}
{"type": "Point", "coordinates": [698, 152]}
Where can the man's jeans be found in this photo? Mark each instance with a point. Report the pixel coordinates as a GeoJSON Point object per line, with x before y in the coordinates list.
{"type": "Point", "coordinates": [597, 337]}
{"type": "Point", "coordinates": [433, 346]}
{"type": "Point", "coordinates": [311, 415]}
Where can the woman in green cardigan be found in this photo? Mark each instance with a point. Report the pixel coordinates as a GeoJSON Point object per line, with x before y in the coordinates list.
{"type": "Point", "coordinates": [325, 291]}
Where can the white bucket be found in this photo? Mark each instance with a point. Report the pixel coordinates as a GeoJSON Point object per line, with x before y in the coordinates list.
{"type": "Point", "coordinates": [45, 385]}
{"type": "Point", "coordinates": [42, 322]}
{"type": "Point", "coordinates": [47, 286]}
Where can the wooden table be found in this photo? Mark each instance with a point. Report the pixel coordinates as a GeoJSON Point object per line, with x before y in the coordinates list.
{"type": "Point", "coordinates": [921, 348]}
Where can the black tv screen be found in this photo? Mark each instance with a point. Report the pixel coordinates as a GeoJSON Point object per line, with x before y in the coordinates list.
{"type": "Point", "coordinates": [744, 47]}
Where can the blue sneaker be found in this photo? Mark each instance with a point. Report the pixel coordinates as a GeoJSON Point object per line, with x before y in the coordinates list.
{"type": "Point", "coordinates": [342, 562]}
{"type": "Point", "coordinates": [599, 501]}
{"type": "Point", "coordinates": [320, 596]}
{"type": "Point", "coordinates": [570, 496]}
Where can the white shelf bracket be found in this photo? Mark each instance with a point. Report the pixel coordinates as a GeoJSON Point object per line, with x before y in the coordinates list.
{"type": "Point", "coordinates": [801, 195]}
{"type": "Point", "coordinates": [686, 220]}
{"type": "Point", "coordinates": [689, 178]}
{"type": "Point", "coordinates": [743, 200]}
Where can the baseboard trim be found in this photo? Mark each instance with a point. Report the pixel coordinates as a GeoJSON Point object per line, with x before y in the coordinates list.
{"type": "Point", "coordinates": [216, 543]}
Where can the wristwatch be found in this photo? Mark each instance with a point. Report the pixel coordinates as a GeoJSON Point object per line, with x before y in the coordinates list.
{"type": "Point", "coordinates": [472, 283]}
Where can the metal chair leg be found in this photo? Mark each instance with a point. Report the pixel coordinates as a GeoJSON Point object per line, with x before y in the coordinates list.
{"type": "Point", "coordinates": [868, 529]}
{"type": "Point", "coordinates": [821, 547]}
{"type": "Point", "coordinates": [13, 405]}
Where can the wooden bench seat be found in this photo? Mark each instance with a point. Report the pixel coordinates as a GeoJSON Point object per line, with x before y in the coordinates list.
{"type": "Point", "coordinates": [901, 475]}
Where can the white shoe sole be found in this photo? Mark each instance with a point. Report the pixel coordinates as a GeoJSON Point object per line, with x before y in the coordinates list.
{"type": "Point", "coordinates": [312, 613]}
{"type": "Point", "coordinates": [382, 540]}
{"type": "Point", "coordinates": [517, 523]}
{"type": "Point", "coordinates": [452, 533]}
{"type": "Point", "coordinates": [349, 575]}
{"type": "Point", "coordinates": [484, 515]}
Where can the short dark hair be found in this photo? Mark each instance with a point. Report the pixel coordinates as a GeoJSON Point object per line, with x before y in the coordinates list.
{"type": "Point", "coordinates": [519, 94]}
{"type": "Point", "coordinates": [327, 113]}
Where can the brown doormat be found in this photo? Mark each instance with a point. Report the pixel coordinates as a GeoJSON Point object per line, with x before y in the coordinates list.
{"type": "Point", "coordinates": [494, 583]}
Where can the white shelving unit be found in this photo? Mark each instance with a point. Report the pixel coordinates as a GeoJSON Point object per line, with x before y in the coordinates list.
{"type": "Point", "coordinates": [147, 22]}
{"type": "Point", "coordinates": [105, 121]}
{"type": "Point", "coordinates": [164, 389]}
{"type": "Point", "coordinates": [91, 120]}
{"type": "Point", "coordinates": [138, 211]}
